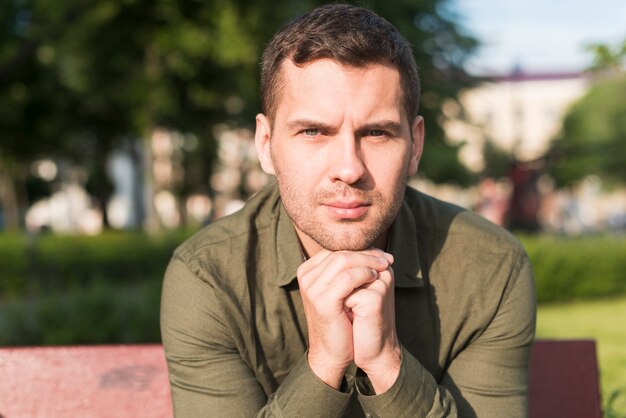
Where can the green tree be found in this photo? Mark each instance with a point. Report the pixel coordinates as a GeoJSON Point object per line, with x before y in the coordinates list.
{"type": "Point", "coordinates": [79, 78]}
{"type": "Point", "coordinates": [593, 138]}
{"type": "Point", "coordinates": [607, 59]}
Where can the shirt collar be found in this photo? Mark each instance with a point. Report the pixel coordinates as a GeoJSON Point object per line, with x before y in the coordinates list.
{"type": "Point", "coordinates": [402, 245]}
{"type": "Point", "coordinates": [289, 254]}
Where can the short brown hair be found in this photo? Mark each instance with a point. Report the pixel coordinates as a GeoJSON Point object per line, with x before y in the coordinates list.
{"type": "Point", "coordinates": [347, 34]}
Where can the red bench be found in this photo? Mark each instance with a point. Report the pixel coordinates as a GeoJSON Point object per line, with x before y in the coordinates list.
{"type": "Point", "coordinates": [131, 381]}
{"type": "Point", "coordinates": [564, 380]}
{"type": "Point", "coordinates": [84, 381]}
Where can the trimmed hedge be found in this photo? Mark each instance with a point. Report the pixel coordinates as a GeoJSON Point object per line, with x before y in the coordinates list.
{"type": "Point", "coordinates": [48, 262]}
{"type": "Point", "coordinates": [82, 290]}
{"type": "Point", "coordinates": [106, 289]}
{"type": "Point", "coordinates": [577, 268]}
{"type": "Point", "coordinates": [98, 313]}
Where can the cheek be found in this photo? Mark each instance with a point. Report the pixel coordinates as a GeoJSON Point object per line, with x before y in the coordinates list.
{"type": "Point", "coordinates": [389, 168]}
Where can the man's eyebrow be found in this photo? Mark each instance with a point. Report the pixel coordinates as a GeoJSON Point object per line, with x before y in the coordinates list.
{"type": "Point", "coordinates": [308, 123]}
{"type": "Point", "coordinates": [391, 126]}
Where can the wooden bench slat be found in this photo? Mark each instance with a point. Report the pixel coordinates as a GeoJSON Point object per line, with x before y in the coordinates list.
{"type": "Point", "coordinates": [131, 381]}
{"type": "Point", "coordinates": [84, 381]}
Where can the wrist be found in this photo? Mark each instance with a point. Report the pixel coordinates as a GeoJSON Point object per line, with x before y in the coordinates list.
{"type": "Point", "coordinates": [384, 372]}
{"type": "Point", "coordinates": [331, 375]}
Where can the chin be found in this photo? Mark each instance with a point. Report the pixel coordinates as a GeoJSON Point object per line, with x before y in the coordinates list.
{"type": "Point", "coordinates": [345, 241]}
{"type": "Point", "coordinates": [344, 246]}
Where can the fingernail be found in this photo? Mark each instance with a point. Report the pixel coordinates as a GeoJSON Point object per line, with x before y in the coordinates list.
{"type": "Point", "coordinates": [389, 257]}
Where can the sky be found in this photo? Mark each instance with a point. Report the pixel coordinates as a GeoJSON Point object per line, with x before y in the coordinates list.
{"type": "Point", "coordinates": [539, 35]}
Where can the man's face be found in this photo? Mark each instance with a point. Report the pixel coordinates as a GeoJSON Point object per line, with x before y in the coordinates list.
{"type": "Point", "coordinates": [341, 149]}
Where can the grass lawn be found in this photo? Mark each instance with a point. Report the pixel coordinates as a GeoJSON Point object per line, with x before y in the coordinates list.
{"type": "Point", "coordinates": [603, 321]}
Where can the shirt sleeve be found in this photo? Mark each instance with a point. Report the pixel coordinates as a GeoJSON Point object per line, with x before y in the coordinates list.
{"type": "Point", "coordinates": [489, 378]}
{"type": "Point", "coordinates": [208, 375]}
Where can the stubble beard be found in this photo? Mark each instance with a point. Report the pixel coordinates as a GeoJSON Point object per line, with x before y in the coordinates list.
{"type": "Point", "coordinates": [338, 235]}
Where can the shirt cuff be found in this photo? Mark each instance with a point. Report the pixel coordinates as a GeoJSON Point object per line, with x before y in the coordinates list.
{"type": "Point", "coordinates": [302, 389]}
{"type": "Point", "coordinates": [412, 394]}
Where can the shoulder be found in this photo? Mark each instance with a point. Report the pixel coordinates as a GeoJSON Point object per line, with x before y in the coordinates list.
{"type": "Point", "coordinates": [471, 267]}
{"type": "Point", "coordinates": [227, 240]}
{"type": "Point", "coordinates": [449, 225]}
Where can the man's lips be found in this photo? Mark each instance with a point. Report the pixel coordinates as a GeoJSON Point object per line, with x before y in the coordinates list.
{"type": "Point", "coordinates": [347, 209]}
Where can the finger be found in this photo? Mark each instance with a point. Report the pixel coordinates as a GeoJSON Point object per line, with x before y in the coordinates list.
{"type": "Point", "coordinates": [382, 286]}
{"type": "Point", "coordinates": [350, 279]}
{"type": "Point", "coordinates": [342, 285]}
{"type": "Point", "coordinates": [325, 273]}
{"type": "Point", "coordinates": [365, 299]}
{"type": "Point", "coordinates": [379, 253]}
{"type": "Point", "coordinates": [335, 262]}
{"type": "Point", "coordinates": [387, 276]}
{"type": "Point", "coordinates": [310, 264]}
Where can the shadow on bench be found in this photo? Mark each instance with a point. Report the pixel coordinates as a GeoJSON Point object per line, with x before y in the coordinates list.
{"type": "Point", "coordinates": [131, 381]}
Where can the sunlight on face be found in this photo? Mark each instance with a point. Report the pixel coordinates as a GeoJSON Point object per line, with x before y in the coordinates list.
{"type": "Point", "coordinates": [341, 149]}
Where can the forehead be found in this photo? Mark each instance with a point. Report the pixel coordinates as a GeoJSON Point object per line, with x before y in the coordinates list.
{"type": "Point", "coordinates": [327, 86]}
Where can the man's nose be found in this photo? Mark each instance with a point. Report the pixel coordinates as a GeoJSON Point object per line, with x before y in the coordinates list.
{"type": "Point", "coordinates": [346, 160]}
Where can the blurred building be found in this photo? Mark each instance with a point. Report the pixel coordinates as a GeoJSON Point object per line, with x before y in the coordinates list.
{"type": "Point", "coordinates": [520, 113]}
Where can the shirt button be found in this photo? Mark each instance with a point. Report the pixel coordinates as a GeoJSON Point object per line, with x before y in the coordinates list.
{"type": "Point", "coordinates": [368, 415]}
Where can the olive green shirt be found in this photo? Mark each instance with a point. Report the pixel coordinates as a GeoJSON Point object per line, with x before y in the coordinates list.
{"type": "Point", "coordinates": [235, 334]}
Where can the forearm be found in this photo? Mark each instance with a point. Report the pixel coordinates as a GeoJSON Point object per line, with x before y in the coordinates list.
{"type": "Point", "coordinates": [234, 391]}
{"type": "Point", "coordinates": [209, 373]}
{"type": "Point", "coordinates": [415, 393]}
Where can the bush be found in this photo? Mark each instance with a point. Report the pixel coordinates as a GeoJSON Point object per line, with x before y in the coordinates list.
{"type": "Point", "coordinates": [82, 290]}
{"type": "Point", "coordinates": [577, 268]}
{"type": "Point", "coordinates": [98, 313]}
{"type": "Point", "coordinates": [50, 262]}
{"type": "Point", "coordinates": [106, 289]}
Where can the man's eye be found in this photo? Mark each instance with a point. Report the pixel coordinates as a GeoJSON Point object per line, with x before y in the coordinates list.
{"type": "Point", "coordinates": [376, 132]}
{"type": "Point", "coordinates": [311, 132]}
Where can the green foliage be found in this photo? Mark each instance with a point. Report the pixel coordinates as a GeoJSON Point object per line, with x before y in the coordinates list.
{"type": "Point", "coordinates": [96, 313]}
{"type": "Point", "coordinates": [593, 139]}
{"type": "Point", "coordinates": [616, 402]}
{"type": "Point", "coordinates": [497, 161]}
{"type": "Point", "coordinates": [13, 253]}
{"type": "Point", "coordinates": [577, 268]}
{"type": "Point", "coordinates": [74, 290]}
{"type": "Point", "coordinates": [79, 78]}
{"type": "Point", "coordinates": [607, 59]}
{"type": "Point", "coordinates": [32, 265]}
{"type": "Point", "coordinates": [105, 289]}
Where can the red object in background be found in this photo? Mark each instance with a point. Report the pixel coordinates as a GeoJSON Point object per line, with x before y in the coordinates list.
{"type": "Point", "coordinates": [84, 381]}
{"type": "Point", "coordinates": [131, 381]}
{"type": "Point", "coordinates": [564, 380]}
{"type": "Point", "coordinates": [525, 200]}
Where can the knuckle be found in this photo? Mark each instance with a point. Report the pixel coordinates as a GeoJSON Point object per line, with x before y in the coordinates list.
{"type": "Point", "coordinates": [376, 302]}
{"type": "Point", "coordinates": [342, 258]}
{"type": "Point", "coordinates": [300, 271]}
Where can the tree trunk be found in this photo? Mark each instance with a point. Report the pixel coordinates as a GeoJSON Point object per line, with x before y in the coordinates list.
{"type": "Point", "coordinates": [8, 199]}
{"type": "Point", "coordinates": [138, 201]}
{"type": "Point", "coordinates": [102, 185]}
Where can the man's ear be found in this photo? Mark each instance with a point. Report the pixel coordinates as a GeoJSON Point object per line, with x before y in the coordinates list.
{"type": "Point", "coordinates": [262, 142]}
{"type": "Point", "coordinates": [417, 129]}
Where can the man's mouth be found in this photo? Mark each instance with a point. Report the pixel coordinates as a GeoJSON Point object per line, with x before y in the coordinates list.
{"type": "Point", "coordinates": [353, 209]}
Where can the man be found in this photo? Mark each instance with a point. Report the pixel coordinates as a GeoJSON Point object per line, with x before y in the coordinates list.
{"type": "Point", "coordinates": [340, 291]}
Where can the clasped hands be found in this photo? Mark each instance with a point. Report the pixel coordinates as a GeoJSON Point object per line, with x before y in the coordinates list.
{"type": "Point", "coordinates": [348, 299]}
